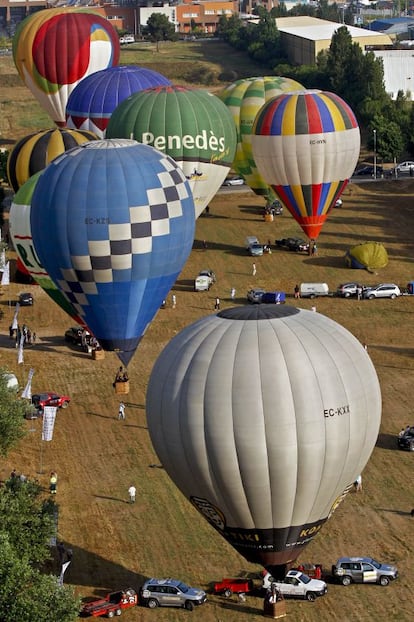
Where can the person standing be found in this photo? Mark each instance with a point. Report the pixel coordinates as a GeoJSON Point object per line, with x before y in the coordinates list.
{"type": "Point", "coordinates": [217, 304]}
{"type": "Point", "coordinates": [232, 293]}
{"type": "Point", "coordinates": [297, 291]}
{"type": "Point", "coordinates": [53, 483]}
{"type": "Point", "coordinates": [174, 301]}
{"type": "Point", "coordinates": [358, 484]}
{"type": "Point", "coordinates": [132, 492]}
{"type": "Point", "coordinates": [254, 270]}
{"type": "Point", "coordinates": [121, 411]}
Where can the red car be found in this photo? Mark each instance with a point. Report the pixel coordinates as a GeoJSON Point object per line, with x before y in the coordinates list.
{"type": "Point", "coordinates": [49, 398]}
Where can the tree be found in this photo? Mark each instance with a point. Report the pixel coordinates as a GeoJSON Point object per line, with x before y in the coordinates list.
{"type": "Point", "coordinates": [159, 28]}
{"type": "Point", "coordinates": [12, 412]}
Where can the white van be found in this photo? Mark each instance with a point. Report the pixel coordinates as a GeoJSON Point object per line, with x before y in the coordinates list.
{"type": "Point", "coordinates": [202, 283]}
{"type": "Point", "coordinates": [313, 290]}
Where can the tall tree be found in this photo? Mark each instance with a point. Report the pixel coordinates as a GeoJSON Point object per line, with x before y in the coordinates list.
{"type": "Point", "coordinates": [12, 413]}
{"type": "Point", "coordinates": [159, 28]}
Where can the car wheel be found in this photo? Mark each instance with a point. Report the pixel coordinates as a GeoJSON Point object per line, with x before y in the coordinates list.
{"type": "Point", "coordinates": [412, 446]}
{"type": "Point", "coordinates": [384, 580]}
{"type": "Point", "coordinates": [152, 603]}
{"type": "Point", "coordinates": [189, 605]}
{"type": "Point", "coordinates": [346, 580]}
{"type": "Point", "coordinates": [393, 296]}
{"type": "Point", "coordinates": [118, 612]}
{"type": "Point", "coordinates": [312, 296]}
{"type": "Point", "coordinates": [227, 593]}
{"type": "Point", "coordinates": [347, 295]}
{"type": "Point", "coordinates": [65, 404]}
{"type": "Point", "coordinates": [311, 596]}
{"type": "Point", "coordinates": [110, 614]}
{"type": "Point", "coordinates": [371, 297]}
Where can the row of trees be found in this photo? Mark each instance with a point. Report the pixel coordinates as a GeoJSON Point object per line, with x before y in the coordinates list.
{"type": "Point", "coordinates": [27, 523]}
{"type": "Point", "coordinates": [345, 69]}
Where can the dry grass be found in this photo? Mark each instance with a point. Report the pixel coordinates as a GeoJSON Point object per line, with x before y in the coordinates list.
{"type": "Point", "coordinates": [97, 457]}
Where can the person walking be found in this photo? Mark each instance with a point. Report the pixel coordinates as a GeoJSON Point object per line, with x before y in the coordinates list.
{"type": "Point", "coordinates": [297, 291]}
{"type": "Point", "coordinates": [132, 492]}
{"type": "Point", "coordinates": [254, 270]}
{"type": "Point", "coordinates": [232, 293]}
{"type": "Point", "coordinates": [121, 411]}
{"type": "Point", "coordinates": [53, 483]}
{"type": "Point", "coordinates": [217, 304]}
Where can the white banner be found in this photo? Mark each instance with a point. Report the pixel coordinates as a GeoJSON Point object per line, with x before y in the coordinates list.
{"type": "Point", "coordinates": [62, 572]}
{"type": "Point", "coordinates": [27, 391]}
{"type": "Point", "coordinates": [5, 277]}
{"type": "Point", "coordinates": [15, 323]}
{"type": "Point", "coordinates": [20, 355]}
{"type": "Point", "coordinates": [49, 416]}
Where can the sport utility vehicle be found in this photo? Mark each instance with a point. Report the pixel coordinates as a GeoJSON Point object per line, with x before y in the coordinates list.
{"type": "Point", "coordinates": [363, 570]}
{"type": "Point", "coordinates": [348, 289]}
{"type": "Point", "coordinates": [406, 439]}
{"type": "Point", "coordinates": [171, 593]}
{"type": "Point", "coordinates": [384, 290]}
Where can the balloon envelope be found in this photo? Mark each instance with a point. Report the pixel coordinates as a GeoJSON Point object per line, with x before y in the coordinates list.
{"type": "Point", "coordinates": [263, 417]}
{"type": "Point", "coordinates": [192, 126]}
{"type": "Point", "coordinates": [33, 153]}
{"type": "Point", "coordinates": [244, 98]}
{"type": "Point", "coordinates": [121, 217]}
{"type": "Point", "coordinates": [92, 102]}
{"type": "Point", "coordinates": [54, 49]}
{"type": "Point", "coordinates": [306, 146]}
{"type": "Point", "coordinates": [368, 255]}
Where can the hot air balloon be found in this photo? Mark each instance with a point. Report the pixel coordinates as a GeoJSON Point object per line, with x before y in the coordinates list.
{"type": "Point", "coordinates": [263, 417]}
{"type": "Point", "coordinates": [21, 235]}
{"type": "Point", "coordinates": [192, 126]}
{"type": "Point", "coordinates": [92, 102]}
{"type": "Point", "coordinates": [121, 217]}
{"type": "Point", "coordinates": [306, 146]}
{"type": "Point", "coordinates": [55, 49]}
{"type": "Point", "coordinates": [33, 153]}
{"type": "Point", "coordinates": [244, 98]}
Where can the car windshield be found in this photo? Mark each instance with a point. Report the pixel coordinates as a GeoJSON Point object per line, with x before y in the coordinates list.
{"type": "Point", "coordinates": [304, 578]}
{"type": "Point", "coordinates": [183, 587]}
{"type": "Point", "coordinates": [375, 563]}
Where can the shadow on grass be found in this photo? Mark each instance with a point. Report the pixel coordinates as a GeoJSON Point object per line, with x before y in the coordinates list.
{"type": "Point", "coordinates": [398, 512]}
{"type": "Point", "coordinates": [387, 441]}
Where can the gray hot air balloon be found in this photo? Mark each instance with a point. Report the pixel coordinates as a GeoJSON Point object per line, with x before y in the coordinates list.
{"type": "Point", "coordinates": [264, 416]}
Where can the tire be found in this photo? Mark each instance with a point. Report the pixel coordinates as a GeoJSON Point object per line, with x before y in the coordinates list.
{"type": "Point", "coordinates": [371, 297]}
{"type": "Point", "coordinates": [65, 404]}
{"type": "Point", "coordinates": [118, 612]}
{"type": "Point", "coordinates": [347, 295]}
{"type": "Point", "coordinates": [189, 605]}
{"type": "Point", "coordinates": [393, 296]}
{"type": "Point", "coordinates": [111, 614]}
{"type": "Point", "coordinates": [312, 296]}
{"type": "Point", "coordinates": [227, 593]}
{"type": "Point", "coordinates": [384, 580]}
{"type": "Point", "coordinates": [346, 580]}
{"type": "Point", "coordinates": [412, 446]}
{"type": "Point", "coordinates": [311, 596]}
{"type": "Point", "coordinates": [152, 603]}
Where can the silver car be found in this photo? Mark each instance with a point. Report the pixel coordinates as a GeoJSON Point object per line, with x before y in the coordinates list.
{"type": "Point", "coordinates": [171, 593]}
{"type": "Point", "coordinates": [384, 290]}
{"type": "Point", "coordinates": [363, 570]}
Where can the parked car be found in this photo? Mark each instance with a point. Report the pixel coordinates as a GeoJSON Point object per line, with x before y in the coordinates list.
{"type": "Point", "coordinates": [363, 570]}
{"type": "Point", "coordinates": [126, 39]}
{"type": "Point", "coordinates": [368, 171]}
{"type": "Point", "coordinates": [256, 250]}
{"type": "Point", "coordinates": [296, 584]}
{"type": "Point", "coordinates": [211, 275]}
{"type": "Point", "coordinates": [384, 290]}
{"type": "Point", "coordinates": [255, 295]}
{"type": "Point", "coordinates": [171, 593]}
{"type": "Point", "coordinates": [204, 280]}
{"type": "Point", "coordinates": [25, 299]}
{"type": "Point", "coordinates": [233, 181]}
{"type": "Point", "coordinates": [293, 244]}
{"type": "Point", "coordinates": [250, 239]}
{"type": "Point", "coordinates": [405, 167]}
{"type": "Point", "coordinates": [49, 398]}
{"type": "Point", "coordinates": [346, 290]}
{"type": "Point", "coordinates": [406, 438]}
{"type": "Point", "coordinates": [74, 335]}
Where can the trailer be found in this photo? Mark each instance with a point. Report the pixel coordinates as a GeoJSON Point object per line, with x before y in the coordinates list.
{"type": "Point", "coordinates": [227, 587]}
{"type": "Point", "coordinates": [111, 605]}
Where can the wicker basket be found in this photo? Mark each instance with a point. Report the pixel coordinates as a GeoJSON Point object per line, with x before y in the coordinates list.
{"type": "Point", "coordinates": [98, 355]}
{"type": "Point", "coordinates": [268, 217]}
{"type": "Point", "coordinates": [122, 387]}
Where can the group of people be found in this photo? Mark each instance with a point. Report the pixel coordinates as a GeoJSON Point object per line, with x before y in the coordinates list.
{"type": "Point", "coordinates": [121, 375]}
{"type": "Point", "coordinates": [22, 332]}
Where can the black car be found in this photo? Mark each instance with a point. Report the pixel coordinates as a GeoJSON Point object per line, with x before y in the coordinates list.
{"type": "Point", "coordinates": [368, 171]}
{"type": "Point", "coordinates": [293, 244]}
{"type": "Point", "coordinates": [25, 299]}
{"type": "Point", "coordinates": [406, 438]}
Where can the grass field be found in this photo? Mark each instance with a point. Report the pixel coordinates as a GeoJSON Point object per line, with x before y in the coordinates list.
{"type": "Point", "coordinates": [97, 457]}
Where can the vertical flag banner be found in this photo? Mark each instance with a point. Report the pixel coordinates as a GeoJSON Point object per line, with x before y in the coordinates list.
{"type": "Point", "coordinates": [15, 317]}
{"type": "Point", "coordinates": [49, 416]}
{"type": "Point", "coordinates": [62, 572]}
{"type": "Point", "coordinates": [5, 277]}
{"type": "Point", "coordinates": [20, 352]}
{"type": "Point", "coordinates": [27, 391]}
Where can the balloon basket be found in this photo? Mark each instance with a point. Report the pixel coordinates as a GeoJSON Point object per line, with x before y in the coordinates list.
{"type": "Point", "coordinates": [122, 387]}
{"type": "Point", "coordinates": [98, 355]}
{"type": "Point", "coordinates": [268, 217]}
{"type": "Point", "coordinates": [274, 610]}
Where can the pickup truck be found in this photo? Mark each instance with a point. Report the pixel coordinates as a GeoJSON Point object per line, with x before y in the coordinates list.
{"type": "Point", "coordinates": [111, 605]}
{"type": "Point", "coordinates": [296, 584]}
